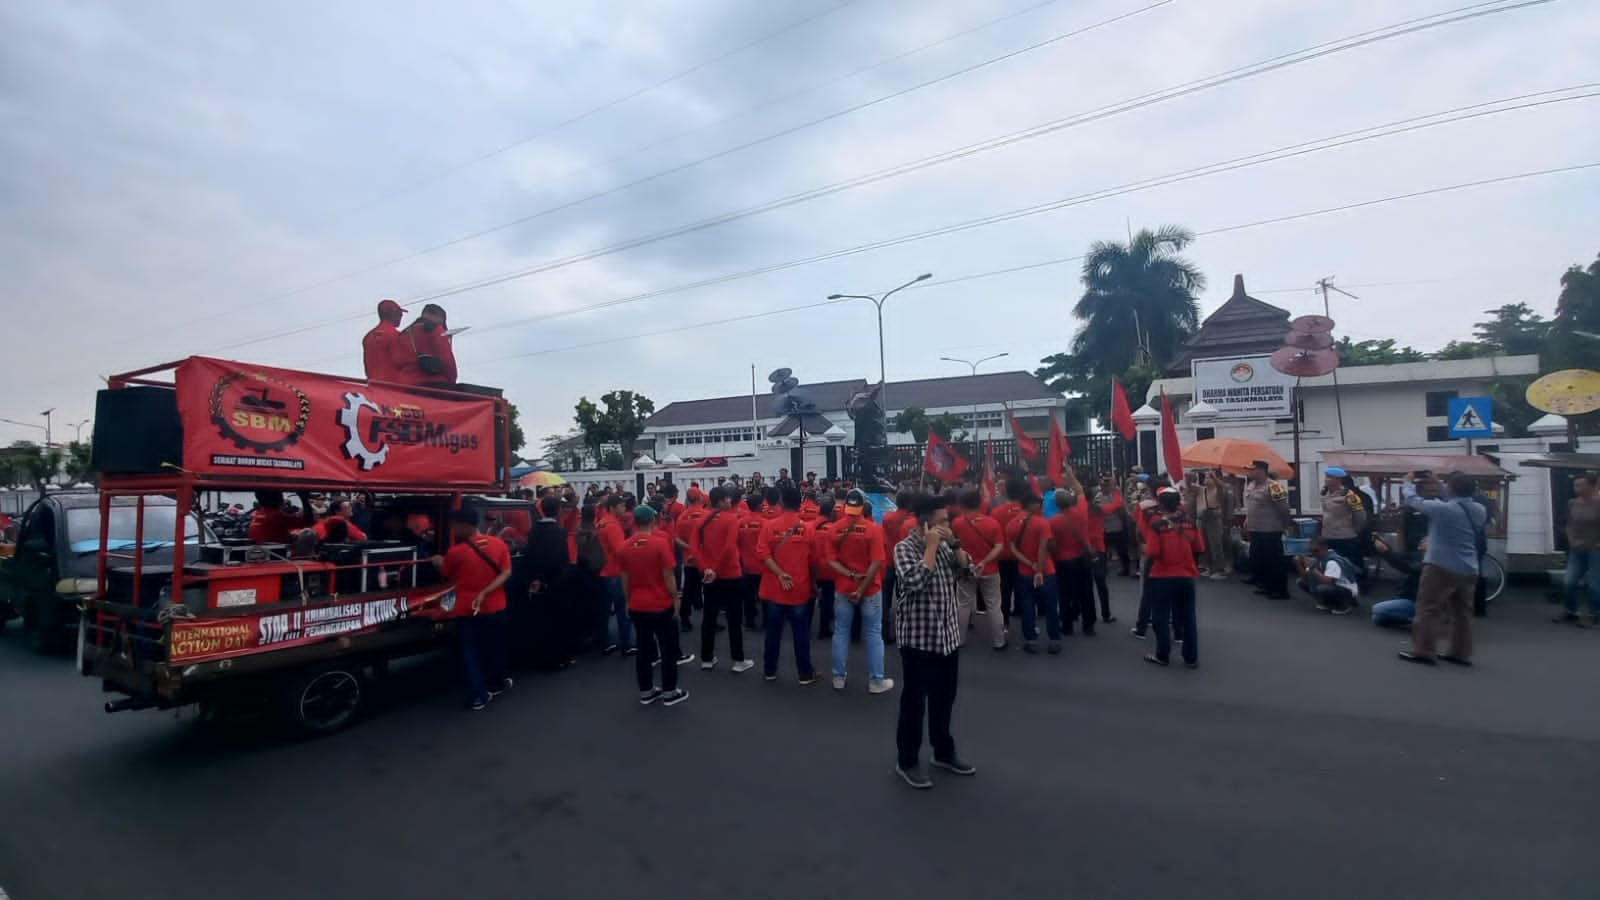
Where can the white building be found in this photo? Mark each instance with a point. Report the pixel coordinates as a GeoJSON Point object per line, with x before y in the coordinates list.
{"type": "Point", "coordinates": [739, 426]}
{"type": "Point", "coordinates": [1401, 408]}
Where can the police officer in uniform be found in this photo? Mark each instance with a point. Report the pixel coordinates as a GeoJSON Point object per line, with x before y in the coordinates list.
{"type": "Point", "coordinates": [1266, 517]}
{"type": "Point", "coordinates": [1344, 516]}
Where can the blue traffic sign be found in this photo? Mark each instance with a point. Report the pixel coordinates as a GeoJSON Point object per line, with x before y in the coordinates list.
{"type": "Point", "coordinates": [1471, 417]}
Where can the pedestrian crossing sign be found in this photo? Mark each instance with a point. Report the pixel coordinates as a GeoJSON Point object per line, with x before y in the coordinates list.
{"type": "Point", "coordinates": [1470, 417]}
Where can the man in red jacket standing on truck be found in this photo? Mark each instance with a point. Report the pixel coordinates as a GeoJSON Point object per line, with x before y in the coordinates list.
{"type": "Point", "coordinates": [387, 355]}
{"type": "Point", "coordinates": [434, 359]}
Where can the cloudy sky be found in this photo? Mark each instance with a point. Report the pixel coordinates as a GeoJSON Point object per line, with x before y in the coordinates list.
{"type": "Point", "coordinates": [247, 180]}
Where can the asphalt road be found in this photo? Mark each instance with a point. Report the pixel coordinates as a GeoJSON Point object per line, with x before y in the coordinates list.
{"type": "Point", "coordinates": [1300, 760]}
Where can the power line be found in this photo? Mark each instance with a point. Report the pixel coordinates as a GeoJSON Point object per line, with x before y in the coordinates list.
{"type": "Point", "coordinates": [522, 220]}
{"type": "Point", "coordinates": [1401, 126]}
{"type": "Point", "coordinates": [992, 273]}
{"type": "Point", "coordinates": [1317, 51]}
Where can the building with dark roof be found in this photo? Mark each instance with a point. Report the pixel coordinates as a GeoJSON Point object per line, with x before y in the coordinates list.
{"type": "Point", "coordinates": [1242, 326]}
{"type": "Point", "coordinates": [738, 425]}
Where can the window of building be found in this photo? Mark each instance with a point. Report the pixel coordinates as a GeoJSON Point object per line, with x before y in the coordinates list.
{"type": "Point", "coordinates": [1438, 433]}
{"type": "Point", "coordinates": [1438, 403]}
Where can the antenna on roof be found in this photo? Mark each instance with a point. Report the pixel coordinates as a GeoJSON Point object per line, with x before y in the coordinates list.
{"type": "Point", "coordinates": [1325, 285]}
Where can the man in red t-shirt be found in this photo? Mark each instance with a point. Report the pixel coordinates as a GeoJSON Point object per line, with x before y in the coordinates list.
{"type": "Point", "coordinates": [1069, 535]}
{"type": "Point", "coordinates": [1172, 541]}
{"type": "Point", "coordinates": [983, 540]}
{"type": "Point", "coordinates": [785, 551]}
{"type": "Point", "coordinates": [857, 565]}
{"type": "Point", "coordinates": [270, 523]}
{"type": "Point", "coordinates": [750, 526]}
{"type": "Point", "coordinates": [1029, 538]}
{"type": "Point", "coordinates": [1004, 514]}
{"type": "Point", "coordinates": [434, 358]}
{"type": "Point", "coordinates": [613, 601]}
{"type": "Point", "coordinates": [649, 580]}
{"type": "Point", "coordinates": [478, 565]}
{"type": "Point", "coordinates": [714, 537]}
{"type": "Point", "coordinates": [384, 351]}
{"type": "Point", "coordinates": [683, 523]}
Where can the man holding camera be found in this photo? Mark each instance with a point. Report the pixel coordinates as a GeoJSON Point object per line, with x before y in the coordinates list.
{"type": "Point", "coordinates": [1450, 566]}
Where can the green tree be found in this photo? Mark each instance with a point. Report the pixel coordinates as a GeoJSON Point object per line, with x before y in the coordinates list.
{"type": "Point", "coordinates": [620, 422]}
{"type": "Point", "coordinates": [518, 439]}
{"type": "Point", "coordinates": [614, 460]}
{"type": "Point", "coordinates": [1375, 353]}
{"type": "Point", "coordinates": [1139, 301]}
{"type": "Point", "coordinates": [35, 465]}
{"type": "Point", "coordinates": [913, 419]}
{"type": "Point", "coordinates": [79, 463]}
{"type": "Point", "coordinates": [1089, 395]}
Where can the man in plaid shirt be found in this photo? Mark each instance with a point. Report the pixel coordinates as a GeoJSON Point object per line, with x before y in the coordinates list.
{"type": "Point", "coordinates": [927, 565]}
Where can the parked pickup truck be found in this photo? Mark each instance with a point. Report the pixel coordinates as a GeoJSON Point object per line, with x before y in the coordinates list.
{"type": "Point", "coordinates": [52, 569]}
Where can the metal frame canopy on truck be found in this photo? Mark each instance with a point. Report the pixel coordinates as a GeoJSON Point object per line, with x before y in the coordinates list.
{"type": "Point", "coordinates": [242, 621]}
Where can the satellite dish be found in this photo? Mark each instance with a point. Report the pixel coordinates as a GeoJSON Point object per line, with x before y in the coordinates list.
{"type": "Point", "coordinates": [1312, 324]}
{"type": "Point", "coordinates": [778, 375]}
{"type": "Point", "coordinates": [1304, 363]}
{"type": "Point", "coordinates": [1309, 340]}
{"type": "Point", "coordinates": [787, 385]}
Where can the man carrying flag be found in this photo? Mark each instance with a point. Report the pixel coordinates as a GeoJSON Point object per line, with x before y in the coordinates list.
{"type": "Point", "coordinates": [1060, 450]}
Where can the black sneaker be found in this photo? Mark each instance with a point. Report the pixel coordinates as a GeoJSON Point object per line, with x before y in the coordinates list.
{"type": "Point", "coordinates": [648, 697]}
{"type": "Point", "coordinates": [479, 703]}
{"type": "Point", "coordinates": [608, 650]}
{"type": "Point", "coordinates": [1417, 658]}
{"type": "Point", "coordinates": [809, 679]}
{"type": "Point", "coordinates": [674, 697]}
{"type": "Point", "coordinates": [914, 776]}
{"type": "Point", "coordinates": [631, 651]}
{"type": "Point", "coordinates": [956, 764]}
{"type": "Point", "coordinates": [505, 685]}
{"type": "Point", "coordinates": [1139, 635]}
{"type": "Point", "coordinates": [685, 659]}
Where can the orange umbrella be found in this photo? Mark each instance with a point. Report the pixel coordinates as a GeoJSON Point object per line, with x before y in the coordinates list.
{"type": "Point", "coordinates": [1234, 455]}
{"type": "Point", "coordinates": [540, 479]}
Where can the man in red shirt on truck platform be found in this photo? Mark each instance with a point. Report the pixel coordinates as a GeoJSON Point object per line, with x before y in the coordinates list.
{"type": "Point", "coordinates": [433, 357]}
{"type": "Point", "coordinates": [385, 352]}
{"type": "Point", "coordinates": [478, 566]}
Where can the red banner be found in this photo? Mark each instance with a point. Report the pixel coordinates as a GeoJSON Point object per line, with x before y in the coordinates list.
{"type": "Point", "coordinates": [220, 637]}
{"type": "Point", "coordinates": [942, 461]}
{"type": "Point", "coordinates": [243, 420]}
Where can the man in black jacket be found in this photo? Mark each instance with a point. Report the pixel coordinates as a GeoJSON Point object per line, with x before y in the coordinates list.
{"type": "Point", "coordinates": [553, 617]}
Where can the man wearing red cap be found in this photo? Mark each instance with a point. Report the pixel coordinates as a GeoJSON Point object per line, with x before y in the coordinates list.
{"type": "Point", "coordinates": [433, 359]}
{"type": "Point", "coordinates": [384, 350]}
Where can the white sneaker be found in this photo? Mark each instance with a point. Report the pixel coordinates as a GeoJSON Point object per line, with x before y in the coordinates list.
{"type": "Point", "coordinates": [685, 659]}
{"type": "Point", "coordinates": [744, 665]}
{"type": "Point", "coordinates": [708, 664]}
{"type": "Point", "coordinates": [881, 686]}
{"type": "Point", "coordinates": [838, 683]}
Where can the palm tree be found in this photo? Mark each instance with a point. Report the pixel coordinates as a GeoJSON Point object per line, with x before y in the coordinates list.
{"type": "Point", "coordinates": [1138, 302]}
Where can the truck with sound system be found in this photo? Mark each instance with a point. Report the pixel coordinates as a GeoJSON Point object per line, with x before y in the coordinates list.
{"type": "Point", "coordinates": [298, 627]}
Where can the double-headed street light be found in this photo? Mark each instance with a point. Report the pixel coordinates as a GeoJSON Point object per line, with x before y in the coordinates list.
{"type": "Point", "coordinates": [878, 300]}
{"type": "Point", "coordinates": [973, 364]}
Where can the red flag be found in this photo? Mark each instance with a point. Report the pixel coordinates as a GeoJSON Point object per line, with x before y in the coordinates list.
{"type": "Point", "coordinates": [989, 488]}
{"type": "Point", "coordinates": [1170, 451]}
{"type": "Point", "coordinates": [942, 461]}
{"type": "Point", "coordinates": [1034, 482]}
{"type": "Point", "coordinates": [1025, 445]}
{"type": "Point", "coordinates": [1059, 451]}
{"type": "Point", "coordinates": [1121, 416]}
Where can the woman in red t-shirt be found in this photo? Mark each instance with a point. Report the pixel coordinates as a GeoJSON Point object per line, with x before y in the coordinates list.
{"type": "Point", "coordinates": [649, 581]}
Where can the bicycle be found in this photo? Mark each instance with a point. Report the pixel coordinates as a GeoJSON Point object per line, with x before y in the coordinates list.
{"type": "Point", "coordinates": [1493, 575]}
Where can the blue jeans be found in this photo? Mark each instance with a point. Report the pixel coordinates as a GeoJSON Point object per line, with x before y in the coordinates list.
{"type": "Point", "coordinates": [1579, 564]}
{"type": "Point", "coordinates": [871, 610]}
{"type": "Point", "coordinates": [612, 604]}
{"type": "Point", "coordinates": [799, 619]}
{"type": "Point", "coordinates": [1396, 613]}
{"type": "Point", "coordinates": [1032, 600]}
{"type": "Point", "coordinates": [482, 640]}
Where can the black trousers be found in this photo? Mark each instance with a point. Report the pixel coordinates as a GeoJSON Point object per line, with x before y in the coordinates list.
{"type": "Point", "coordinates": [1008, 588]}
{"type": "Point", "coordinates": [1098, 570]}
{"type": "Point", "coordinates": [889, 582]}
{"type": "Point", "coordinates": [727, 596]}
{"type": "Point", "coordinates": [657, 637]}
{"type": "Point", "coordinates": [1075, 588]}
{"type": "Point", "coordinates": [1267, 565]}
{"type": "Point", "coordinates": [752, 602]}
{"type": "Point", "coordinates": [1117, 543]}
{"type": "Point", "coordinates": [1172, 599]}
{"type": "Point", "coordinates": [693, 586]}
{"type": "Point", "coordinates": [823, 614]}
{"type": "Point", "coordinates": [930, 688]}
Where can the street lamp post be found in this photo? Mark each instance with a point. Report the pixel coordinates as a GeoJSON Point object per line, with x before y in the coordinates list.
{"type": "Point", "coordinates": [973, 364]}
{"type": "Point", "coordinates": [878, 301]}
{"type": "Point", "coordinates": [46, 415]}
{"type": "Point", "coordinates": [77, 429]}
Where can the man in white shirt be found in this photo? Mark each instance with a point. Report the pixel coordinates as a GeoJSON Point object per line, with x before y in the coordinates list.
{"type": "Point", "coordinates": [1328, 577]}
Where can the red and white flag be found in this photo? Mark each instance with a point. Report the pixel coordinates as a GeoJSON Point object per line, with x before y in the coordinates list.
{"type": "Point", "coordinates": [942, 461]}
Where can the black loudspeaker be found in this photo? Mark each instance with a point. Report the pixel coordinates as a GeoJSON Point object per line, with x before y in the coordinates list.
{"type": "Point", "coordinates": [136, 429]}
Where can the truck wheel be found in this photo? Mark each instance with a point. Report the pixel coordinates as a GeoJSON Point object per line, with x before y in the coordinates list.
{"type": "Point", "coordinates": [322, 699]}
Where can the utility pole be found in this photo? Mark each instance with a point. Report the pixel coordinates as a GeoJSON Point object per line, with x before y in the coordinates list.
{"type": "Point", "coordinates": [46, 415]}
{"type": "Point", "coordinates": [1325, 285]}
